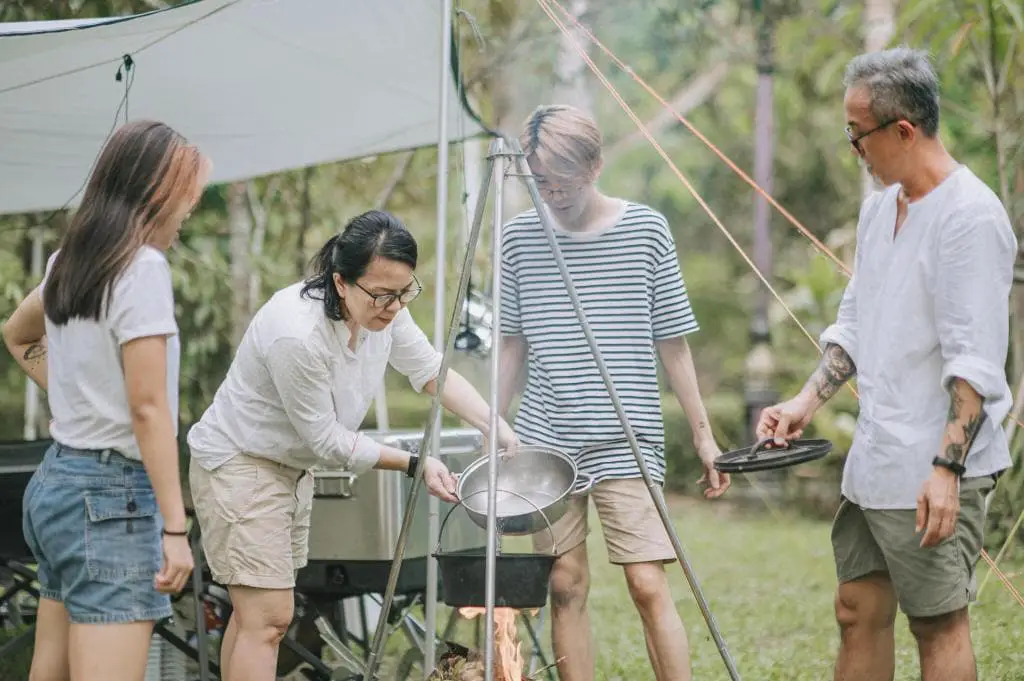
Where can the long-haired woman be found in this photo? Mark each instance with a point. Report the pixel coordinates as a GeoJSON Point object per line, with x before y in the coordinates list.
{"type": "Point", "coordinates": [297, 391]}
{"type": "Point", "coordinates": [103, 513]}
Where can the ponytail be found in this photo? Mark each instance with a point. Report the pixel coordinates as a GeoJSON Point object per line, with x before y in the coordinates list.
{"type": "Point", "coordinates": [320, 284]}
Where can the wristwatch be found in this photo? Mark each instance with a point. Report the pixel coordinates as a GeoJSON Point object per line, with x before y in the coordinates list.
{"type": "Point", "coordinates": [413, 462]}
{"type": "Point", "coordinates": [949, 464]}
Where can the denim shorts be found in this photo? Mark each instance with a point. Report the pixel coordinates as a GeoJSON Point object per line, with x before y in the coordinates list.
{"type": "Point", "coordinates": [90, 518]}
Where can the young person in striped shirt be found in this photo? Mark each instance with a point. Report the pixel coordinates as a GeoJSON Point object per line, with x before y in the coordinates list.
{"type": "Point", "coordinates": [622, 260]}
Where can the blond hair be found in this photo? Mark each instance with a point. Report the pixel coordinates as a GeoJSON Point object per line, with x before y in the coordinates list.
{"type": "Point", "coordinates": [565, 140]}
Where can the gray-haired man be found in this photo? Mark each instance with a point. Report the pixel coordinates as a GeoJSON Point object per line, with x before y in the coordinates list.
{"type": "Point", "coordinates": [923, 325]}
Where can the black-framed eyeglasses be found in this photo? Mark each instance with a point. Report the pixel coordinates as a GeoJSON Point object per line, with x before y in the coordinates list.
{"type": "Point", "coordinates": [855, 140]}
{"type": "Point", "coordinates": [384, 300]}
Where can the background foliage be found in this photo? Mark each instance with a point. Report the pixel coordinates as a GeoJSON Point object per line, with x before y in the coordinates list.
{"type": "Point", "coordinates": [258, 236]}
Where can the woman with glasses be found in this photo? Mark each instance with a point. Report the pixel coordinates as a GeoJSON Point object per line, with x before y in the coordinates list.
{"type": "Point", "coordinates": [294, 397]}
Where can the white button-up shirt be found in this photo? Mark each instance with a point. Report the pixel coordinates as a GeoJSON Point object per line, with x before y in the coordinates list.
{"type": "Point", "coordinates": [296, 393]}
{"type": "Point", "coordinates": [923, 308]}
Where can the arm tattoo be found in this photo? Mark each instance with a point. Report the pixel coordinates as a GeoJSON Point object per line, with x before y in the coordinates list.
{"type": "Point", "coordinates": [835, 369]}
{"type": "Point", "coordinates": [962, 423]}
{"type": "Point", "coordinates": [35, 353]}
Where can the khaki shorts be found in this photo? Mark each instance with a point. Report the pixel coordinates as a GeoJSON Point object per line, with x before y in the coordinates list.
{"type": "Point", "coordinates": [928, 581]}
{"type": "Point", "coordinates": [254, 515]}
{"type": "Point", "coordinates": [633, 531]}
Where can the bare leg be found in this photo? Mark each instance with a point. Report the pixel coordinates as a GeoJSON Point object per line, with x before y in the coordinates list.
{"type": "Point", "coordinates": [667, 645]}
{"type": "Point", "coordinates": [866, 613]}
{"type": "Point", "coordinates": [109, 652]}
{"type": "Point", "coordinates": [652, 654]}
{"type": "Point", "coordinates": [261, 618]}
{"type": "Point", "coordinates": [944, 645]}
{"type": "Point", "coordinates": [50, 656]}
{"type": "Point", "coordinates": [227, 646]}
{"type": "Point", "coordinates": [570, 622]}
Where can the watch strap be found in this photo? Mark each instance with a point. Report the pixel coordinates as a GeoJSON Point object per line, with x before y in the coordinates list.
{"type": "Point", "coordinates": [957, 468]}
{"type": "Point", "coordinates": [414, 460]}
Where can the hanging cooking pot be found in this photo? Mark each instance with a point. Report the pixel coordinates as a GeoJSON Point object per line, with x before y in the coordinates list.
{"type": "Point", "coordinates": [535, 487]}
{"type": "Point", "coordinates": [520, 579]}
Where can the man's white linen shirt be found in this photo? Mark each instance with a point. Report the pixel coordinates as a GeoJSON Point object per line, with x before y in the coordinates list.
{"type": "Point", "coordinates": [923, 308]}
{"type": "Point", "coordinates": [296, 393]}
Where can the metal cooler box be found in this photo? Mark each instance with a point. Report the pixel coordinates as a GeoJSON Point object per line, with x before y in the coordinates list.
{"type": "Point", "coordinates": [356, 522]}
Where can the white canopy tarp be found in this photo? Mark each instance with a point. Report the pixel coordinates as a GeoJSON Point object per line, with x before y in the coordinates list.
{"type": "Point", "coordinates": [261, 85]}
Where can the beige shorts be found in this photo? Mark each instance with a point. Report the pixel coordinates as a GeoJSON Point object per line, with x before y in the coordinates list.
{"type": "Point", "coordinates": [254, 516]}
{"type": "Point", "coordinates": [633, 531]}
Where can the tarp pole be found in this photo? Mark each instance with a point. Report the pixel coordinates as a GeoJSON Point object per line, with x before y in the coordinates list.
{"type": "Point", "coordinates": [440, 277]}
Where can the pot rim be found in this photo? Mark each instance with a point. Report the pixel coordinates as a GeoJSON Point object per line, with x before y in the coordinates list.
{"type": "Point", "coordinates": [483, 460]}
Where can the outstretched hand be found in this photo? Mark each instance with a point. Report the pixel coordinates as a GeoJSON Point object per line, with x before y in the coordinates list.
{"type": "Point", "coordinates": [440, 481]}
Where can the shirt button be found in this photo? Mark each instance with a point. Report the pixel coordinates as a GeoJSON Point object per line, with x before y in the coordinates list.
{"type": "Point", "coordinates": [131, 506]}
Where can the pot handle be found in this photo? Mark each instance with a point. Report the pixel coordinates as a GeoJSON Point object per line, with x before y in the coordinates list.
{"type": "Point", "coordinates": [588, 483]}
{"type": "Point", "coordinates": [554, 540]}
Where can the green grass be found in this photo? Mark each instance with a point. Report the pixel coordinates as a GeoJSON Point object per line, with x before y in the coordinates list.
{"type": "Point", "coordinates": [769, 581]}
{"type": "Point", "coordinates": [768, 578]}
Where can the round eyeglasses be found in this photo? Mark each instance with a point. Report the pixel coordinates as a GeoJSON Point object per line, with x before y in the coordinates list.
{"type": "Point", "coordinates": [385, 300]}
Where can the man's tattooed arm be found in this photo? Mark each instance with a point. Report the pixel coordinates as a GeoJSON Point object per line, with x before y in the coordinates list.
{"type": "Point", "coordinates": [962, 422]}
{"type": "Point", "coordinates": [835, 368]}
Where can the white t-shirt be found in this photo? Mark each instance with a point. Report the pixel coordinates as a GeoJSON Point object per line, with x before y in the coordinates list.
{"type": "Point", "coordinates": [86, 390]}
{"type": "Point", "coordinates": [296, 393]}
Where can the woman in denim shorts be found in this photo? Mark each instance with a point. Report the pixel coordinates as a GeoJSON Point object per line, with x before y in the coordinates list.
{"type": "Point", "coordinates": [103, 513]}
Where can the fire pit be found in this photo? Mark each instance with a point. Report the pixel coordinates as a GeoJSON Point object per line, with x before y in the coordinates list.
{"type": "Point", "coordinates": [459, 663]}
{"type": "Point", "coordinates": [462, 664]}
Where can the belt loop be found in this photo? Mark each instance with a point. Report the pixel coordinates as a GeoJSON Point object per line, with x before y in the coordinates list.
{"type": "Point", "coordinates": [105, 456]}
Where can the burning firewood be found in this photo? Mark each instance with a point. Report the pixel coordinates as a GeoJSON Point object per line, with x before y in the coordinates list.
{"type": "Point", "coordinates": [463, 664]}
{"type": "Point", "coordinates": [469, 667]}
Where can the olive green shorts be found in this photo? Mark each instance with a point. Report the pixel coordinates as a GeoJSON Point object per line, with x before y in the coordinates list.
{"type": "Point", "coordinates": [928, 581]}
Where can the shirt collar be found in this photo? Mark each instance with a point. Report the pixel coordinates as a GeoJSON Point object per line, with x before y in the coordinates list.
{"type": "Point", "coordinates": [342, 333]}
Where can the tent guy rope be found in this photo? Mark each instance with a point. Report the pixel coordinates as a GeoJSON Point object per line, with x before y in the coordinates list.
{"type": "Point", "coordinates": [825, 250]}
{"type": "Point", "coordinates": [697, 133]}
{"type": "Point", "coordinates": [546, 6]}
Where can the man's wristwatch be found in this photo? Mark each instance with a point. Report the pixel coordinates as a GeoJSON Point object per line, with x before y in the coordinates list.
{"type": "Point", "coordinates": [413, 462]}
{"type": "Point", "coordinates": [949, 464]}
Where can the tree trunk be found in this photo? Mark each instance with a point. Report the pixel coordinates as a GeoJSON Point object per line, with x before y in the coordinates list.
{"type": "Point", "coordinates": [879, 26]}
{"type": "Point", "coordinates": [570, 69]}
{"type": "Point", "coordinates": [258, 213]}
{"type": "Point", "coordinates": [305, 222]}
{"type": "Point", "coordinates": [240, 226]}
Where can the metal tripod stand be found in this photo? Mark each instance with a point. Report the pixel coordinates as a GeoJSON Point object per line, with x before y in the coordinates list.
{"type": "Point", "coordinates": [502, 155]}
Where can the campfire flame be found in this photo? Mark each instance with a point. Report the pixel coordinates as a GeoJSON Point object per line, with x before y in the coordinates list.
{"type": "Point", "coordinates": [508, 658]}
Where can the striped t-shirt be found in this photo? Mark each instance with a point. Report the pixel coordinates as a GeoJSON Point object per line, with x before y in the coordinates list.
{"type": "Point", "coordinates": [632, 292]}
